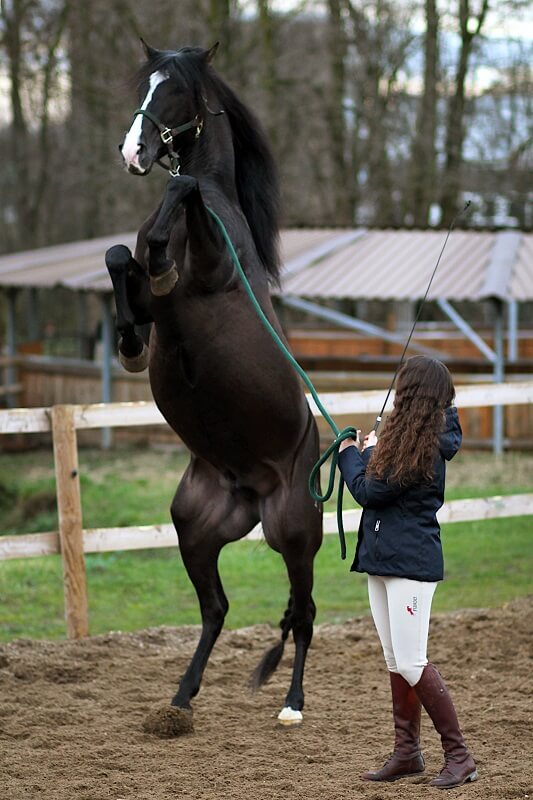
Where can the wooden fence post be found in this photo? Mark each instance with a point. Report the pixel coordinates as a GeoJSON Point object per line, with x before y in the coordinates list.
{"type": "Point", "coordinates": [70, 520]}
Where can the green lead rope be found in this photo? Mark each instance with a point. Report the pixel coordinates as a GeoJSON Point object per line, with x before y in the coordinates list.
{"type": "Point", "coordinates": [340, 435]}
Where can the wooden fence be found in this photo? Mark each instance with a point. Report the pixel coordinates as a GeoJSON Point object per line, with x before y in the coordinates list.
{"type": "Point", "coordinates": [44, 382]}
{"type": "Point", "coordinates": [72, 541]}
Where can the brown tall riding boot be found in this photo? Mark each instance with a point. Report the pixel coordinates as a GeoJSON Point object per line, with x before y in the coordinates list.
{"type": "Point", "coordinates": [406, 759]}
{"type": "Point", "coordinates": [459, 766]}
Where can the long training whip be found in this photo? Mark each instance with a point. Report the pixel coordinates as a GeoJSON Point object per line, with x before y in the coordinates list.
{"type": "Point", "coordinates": [340, 435]}
{"type": "Point", "coordinates": [402, 357]}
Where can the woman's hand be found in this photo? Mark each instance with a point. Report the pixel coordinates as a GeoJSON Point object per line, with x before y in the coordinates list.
{"type": "Point", "coordinates": [370, 440]}
{"type": "Point", "coordinates": [350, 443]}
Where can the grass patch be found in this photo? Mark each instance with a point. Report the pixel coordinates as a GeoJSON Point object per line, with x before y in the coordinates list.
{"type": "Point", "coordinates": [487, 563]}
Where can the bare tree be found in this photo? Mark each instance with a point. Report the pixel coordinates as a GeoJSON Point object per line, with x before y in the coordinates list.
{"type": "Point", "coordinates": [382, 41]}
{"type": "Point", "coordinates": [422, 178]}
{"type": "Point", "coordinates": [343, 177]}
{"type": "Point", "coordinates": [500, 144]}
{"type": "Point", "coordinates": [268, 70]}
{"type": "Point", "coordinates": [32, 33]}
{"type": "Point", "coordinates": [218, 21]}
{"type": "Point", "coordinates": [352, 141]}
{"type": "Point", "coordinates": [470, 25]}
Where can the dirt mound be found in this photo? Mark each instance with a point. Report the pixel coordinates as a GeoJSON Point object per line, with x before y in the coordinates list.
{"type": "Point", "coordinates": [71, 715]}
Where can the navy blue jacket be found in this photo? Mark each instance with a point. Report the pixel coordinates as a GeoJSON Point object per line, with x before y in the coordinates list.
{"type": "Point", "coordinates": [399, 534]}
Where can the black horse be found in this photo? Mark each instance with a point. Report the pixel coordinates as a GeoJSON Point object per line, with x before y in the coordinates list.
{"type": "Point", "coordinates": [215, 372]}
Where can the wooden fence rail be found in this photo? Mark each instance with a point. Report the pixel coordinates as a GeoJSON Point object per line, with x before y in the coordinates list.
{"type": "Point", "coordinates": [72, 541]}
{"type": "Point", "coordinates": [143, 537]}
{"type": "Point", "coordinates": [126, 415]}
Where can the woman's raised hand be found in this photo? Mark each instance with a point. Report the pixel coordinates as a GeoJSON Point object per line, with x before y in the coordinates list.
{"type": "Point", "coordinates": [370, 440]}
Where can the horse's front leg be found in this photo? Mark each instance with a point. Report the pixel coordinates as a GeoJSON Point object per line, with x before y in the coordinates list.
{"type": "Point", "coordinates": [209, 260]}
{"type": "Point", "coordinates": [131, 290]}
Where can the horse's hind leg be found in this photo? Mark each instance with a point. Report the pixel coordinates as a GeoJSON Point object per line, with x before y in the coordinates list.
{"type": "Point", "coordinates": [206, 516]}
{"type": "Point", "coordinates": [130, 285]}
{"type": "Point", "coordinates": [298, 553]}
{"type": "Point", "coordinates": [293, 525]}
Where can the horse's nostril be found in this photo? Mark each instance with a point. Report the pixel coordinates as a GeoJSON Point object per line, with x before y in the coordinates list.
{"type": "Point", "coordinates": [141, 147]}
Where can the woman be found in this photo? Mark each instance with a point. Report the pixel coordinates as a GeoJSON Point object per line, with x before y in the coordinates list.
{"type": "Point", "coordinates": [399, 482]}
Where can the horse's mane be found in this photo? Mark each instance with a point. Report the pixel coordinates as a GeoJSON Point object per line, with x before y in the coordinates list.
{"type": "Point", "coordinates": [256, 176]}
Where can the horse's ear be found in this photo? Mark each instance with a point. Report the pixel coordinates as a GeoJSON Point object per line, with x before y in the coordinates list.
{"type": "Point", "coordinates": [210, 54]}
{"type": "Point", "coordinates": [149, 52]}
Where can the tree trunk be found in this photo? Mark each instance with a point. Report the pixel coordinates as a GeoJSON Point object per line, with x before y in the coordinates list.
{"type": "Point", "coordinates": [37, 221]}
{"type": "Point", "coordinates": [423, 177]}
{"type": "Point", "coordinates": [342, 172]}
{"type": "Point", "coordinates": [455, 130]}
{"type": "Point", "coordinates": [13, 25]}
{"type": "Point", "coordinates": [218, 21]}
{"type": "Point", "coordinates": [268, 76]}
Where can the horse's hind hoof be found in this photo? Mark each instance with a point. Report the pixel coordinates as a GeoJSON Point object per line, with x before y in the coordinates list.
{"type": "Point", "coordinates": [163, 284]}
{"type": "Point", "coordinates": [168, 722]}
{"type": "Point", "coordinates": [289, 716]}
{"type": "Point", "coordinates": [134, 363]}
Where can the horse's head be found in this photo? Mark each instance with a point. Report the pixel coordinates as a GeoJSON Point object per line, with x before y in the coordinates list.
{"type": "Point", "coordinates": [170, 115]}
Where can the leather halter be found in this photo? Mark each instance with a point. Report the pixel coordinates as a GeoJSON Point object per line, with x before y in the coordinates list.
{"type": "Point", "coordinates": [167, 137]}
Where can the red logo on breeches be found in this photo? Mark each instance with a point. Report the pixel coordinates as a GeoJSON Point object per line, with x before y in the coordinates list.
{"type": "Point", "coordinates": [410, 611]}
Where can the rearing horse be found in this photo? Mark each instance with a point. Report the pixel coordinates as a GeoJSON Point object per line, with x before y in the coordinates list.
{"type": "Point", "coordinates": [215, 373]}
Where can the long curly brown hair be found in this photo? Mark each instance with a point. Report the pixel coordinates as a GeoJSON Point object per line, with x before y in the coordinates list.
{"type": "Point", "coordinates": [405, 453]}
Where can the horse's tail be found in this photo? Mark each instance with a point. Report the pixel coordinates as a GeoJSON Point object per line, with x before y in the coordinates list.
{"type": "Point", "coordinates": [272, 657]}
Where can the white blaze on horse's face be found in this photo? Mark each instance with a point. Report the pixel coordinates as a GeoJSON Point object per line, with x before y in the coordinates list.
{"type": "Point", "coordinates": [132, 143]}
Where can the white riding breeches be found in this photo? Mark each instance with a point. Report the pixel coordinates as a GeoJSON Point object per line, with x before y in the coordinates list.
{"type": "Point", "coordinates": [401, 610]}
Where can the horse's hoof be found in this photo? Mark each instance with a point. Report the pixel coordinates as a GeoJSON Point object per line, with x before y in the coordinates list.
{"type": "Point", "coordinates": [134, 363]}
{"type": "Point", "coordinates": [163, 284]}
{"type": "Point", "coordinates": [290, 716]}
{"type": "Point", "coordinates": [169, 722]}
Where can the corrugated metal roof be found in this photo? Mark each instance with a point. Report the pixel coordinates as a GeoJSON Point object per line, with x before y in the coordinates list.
{"type": "Point", "coordinates": [329, 263]}
{"type": "Point", "coordinates": [398, 265]}
{"type": "Point", "coordinates": [77, 265]}
{"type": "Point", "coordinates": [302, 247]}
{"type": "Point", "coordinates": [299, 241]}
{"type": "Point", "coordinates": [80, 265]}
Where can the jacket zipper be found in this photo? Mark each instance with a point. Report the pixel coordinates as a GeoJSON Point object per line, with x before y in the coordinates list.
{"type": "Point", "coordinates": [376, 531]}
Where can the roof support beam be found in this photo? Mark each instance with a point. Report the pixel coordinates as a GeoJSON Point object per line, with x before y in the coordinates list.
{"type": "Point", "coordinates": [353, 323]}
{"type": "Point", "coordinates": [496, 357]}
{"type": "Point", "coordinates": [83, 315]}
{"type": "Point", "coordinates": [107, 354]}
{"type": "Point", "coordinates": [33, 314]}
{"type": "Point", "coordinates": [465, 328]}
{"type": "Point", "coordinates": [498, 376]}
{"type": "Point", "coordinates": [512, 330]}
{"type": "Point", "coordinates": [10, 371]}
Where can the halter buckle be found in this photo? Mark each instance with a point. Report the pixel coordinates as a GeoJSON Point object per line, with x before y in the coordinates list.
{"type": "Point", "coordinates": [199, 128]}
{"type": "Point", "coordinates": [166, 136]}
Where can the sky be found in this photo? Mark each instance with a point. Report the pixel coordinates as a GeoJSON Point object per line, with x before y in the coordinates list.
{"type": "Point", "coordinates": [498, 24]}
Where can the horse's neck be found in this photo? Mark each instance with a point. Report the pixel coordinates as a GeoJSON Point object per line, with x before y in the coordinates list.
{"type": "Point", "coordinates": [214, 161]}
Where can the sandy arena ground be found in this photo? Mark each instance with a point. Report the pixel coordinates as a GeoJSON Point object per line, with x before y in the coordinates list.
{"type": "Point", "coordinates": [71, 715]}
